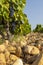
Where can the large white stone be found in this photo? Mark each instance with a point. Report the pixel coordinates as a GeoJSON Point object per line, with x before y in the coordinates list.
{"type": "Point", "coordinates": [31, 50]}
{"type": "Point", "coordinates": [18, 62]}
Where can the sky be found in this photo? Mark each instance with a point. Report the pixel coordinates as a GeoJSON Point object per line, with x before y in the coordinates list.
{"type": "Point", "coordinates": [34, 11]}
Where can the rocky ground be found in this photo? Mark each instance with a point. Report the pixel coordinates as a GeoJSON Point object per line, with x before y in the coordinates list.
{"type": "Point", "coordinates": [28, 51]}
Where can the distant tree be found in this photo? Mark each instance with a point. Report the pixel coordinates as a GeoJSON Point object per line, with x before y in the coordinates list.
{"type": "Point", "coordinates": [39, 28]}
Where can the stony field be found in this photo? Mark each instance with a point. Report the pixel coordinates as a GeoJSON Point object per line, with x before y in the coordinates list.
{"type": "Point", "coordinates": [26, 50]}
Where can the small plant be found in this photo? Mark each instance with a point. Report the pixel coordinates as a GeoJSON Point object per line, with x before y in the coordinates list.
{"type": "Point", "coordinates": [12, 18]}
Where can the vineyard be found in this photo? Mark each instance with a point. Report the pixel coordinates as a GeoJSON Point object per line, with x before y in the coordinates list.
{"type": "Point", "coordinates": [19, 44]}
